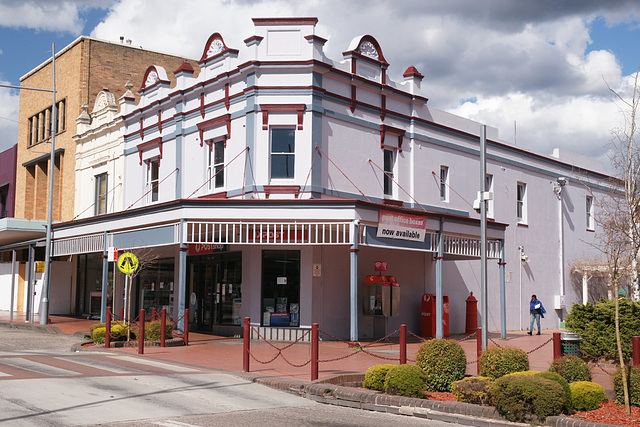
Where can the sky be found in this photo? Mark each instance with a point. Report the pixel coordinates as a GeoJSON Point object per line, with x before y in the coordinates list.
{"type": "Point", "coordinates": [541, 71]}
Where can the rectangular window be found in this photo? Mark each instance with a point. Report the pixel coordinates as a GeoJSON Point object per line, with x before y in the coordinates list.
{"type": "Point", "coordinates": [215, 165]}
{"type": "Point", "coordinates": [49, 114]}
{"type": "Point", "coordinates": [42, 126]}
{"type": "Point", "coordinates": [444, 183]}
{"type": "Point", "coordinates": [31, 141]}
{"type": "Point", "coordinates": [153, 169]}
{"type": "Point", "coordinates": [388, 169]}
{"type": "Point", "coordinates": [61, 115]}
{"type": "Point", "coordinates": [36, 128]}
{"type": "Point", "coordinates": [589, 212]}
{"type": "Point", "coordinates": [489, 187]}
{"type": "Point", "coordinates": [100, 206]}
{"type": "Point", "coordinates": [283, 150]}
{"type": "Point", "coordinates": [521, 204]}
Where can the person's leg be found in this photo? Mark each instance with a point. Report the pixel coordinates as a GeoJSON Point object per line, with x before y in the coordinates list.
{"type": "Point", "coordinates": [538, 322]}
{"type": "Point", "coordinates": [531, 319]}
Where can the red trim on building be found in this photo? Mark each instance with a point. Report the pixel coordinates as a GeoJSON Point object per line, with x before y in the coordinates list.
{"type": "Point", "coordinates": [281, 108]}
{"type": "Point", "coordinates": [413, 72]}
{"type": "Point", "coordinates": [215, 122]}
{"type": "Point", "coordinates": [186, 67]}
{"type": "Point", "coordinates": [148, 145]}
{"type": "Point", "coordinates": [312, 38]}
{"type": "Point", "coordinates": [353, 102]}
{"type": "Point", "coordinates": [257, 39]}
{"type": "Point", "coordinates": [384, 130]}
{"type": "Point", "coordinates": [284, 21]}
{"type": "Point", "coordinates": [226, 96]}
{"type": "Point", "coordinates": [281, 189]}
{"type": "Point", "coordinates": [383, 107]}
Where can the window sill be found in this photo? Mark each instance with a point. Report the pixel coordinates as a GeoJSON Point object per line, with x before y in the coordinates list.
{"type": "Point", "coordinates": [523, 224]}
{"type": "Point", "coordinates": [591, 230]}
{"type": "Point", "coordinates": [392, 202]}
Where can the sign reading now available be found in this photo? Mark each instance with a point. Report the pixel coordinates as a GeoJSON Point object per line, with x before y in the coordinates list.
{"type": "Point", "coordinates": [395, 225]}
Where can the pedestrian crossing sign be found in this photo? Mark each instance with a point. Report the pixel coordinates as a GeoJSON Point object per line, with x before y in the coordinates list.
{"type": "Point", "coordinates": [127, 263]}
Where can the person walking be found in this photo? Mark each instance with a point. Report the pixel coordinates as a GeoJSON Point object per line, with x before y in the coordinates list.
{"type": "Point", "coordinates": [537, 310]}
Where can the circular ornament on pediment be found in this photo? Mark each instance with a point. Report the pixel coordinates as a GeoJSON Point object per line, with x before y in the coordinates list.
{"type": "Point", "coordinates": [215, 47]}
{"type": "Point", "coordinates": [369, 50]}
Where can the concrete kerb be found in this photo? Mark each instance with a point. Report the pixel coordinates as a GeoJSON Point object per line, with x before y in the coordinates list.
{"type": "Point", "coordinates": [456, 412]}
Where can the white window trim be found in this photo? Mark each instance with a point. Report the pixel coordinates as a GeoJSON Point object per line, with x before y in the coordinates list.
{"type": "Point", "coordinates": [522, 219]}
{"type": "Point", "coordinates": [148, 183]}
{"type": "Point", "coordinates": [489, 188]}
{"type": "Point", "coordinates": [392, 172]}
{"type": "Point", "coordinates": [589, 207]}
{"type": "Point", "coordinates": [210, 146]}
{"type": "Point", "coordinates": [273, 180]}
{"type": "Point", "coordinates": [444, 184]}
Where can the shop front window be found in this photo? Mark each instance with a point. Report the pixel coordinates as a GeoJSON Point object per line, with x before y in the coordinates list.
{"type": "Point", "coordinates": [89, 285]}
{"type": "Point", "coordinates": [280, 288]}
{"type": "Point", "coordinates": [155, 286]}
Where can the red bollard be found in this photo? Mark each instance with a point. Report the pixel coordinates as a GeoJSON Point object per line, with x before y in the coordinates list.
{"type": "Point", "coordinates": [163, 326]}
{"type": "Point", "coordinates": [107, 330]}
{"type": "Point", "coordinates": [478, 348]}
{"type": "Point", "coordinates": [185, 337]}
{"type": "Point", "coordinates": [471, 314]}
{"type": "Point", "coordinates": [314, 351]}
{"type": "Point", "coordinates": [246, 338]}
{"type": "Point", "coordinates": [153, 314]}
{"type": "Point", "coordinates": [557, 346]}
{"type": "Point", "coordinates": [122, 313]}
{"type": "Point", "coordinates": [403, 344]}
{"type": "Point", "coordinates": [141, 333]}
{"type": "Point", "coordinates": [635, 344]}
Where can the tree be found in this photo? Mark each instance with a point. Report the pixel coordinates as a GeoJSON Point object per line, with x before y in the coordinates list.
{"type": "Point", "coordinates": [146, 258]}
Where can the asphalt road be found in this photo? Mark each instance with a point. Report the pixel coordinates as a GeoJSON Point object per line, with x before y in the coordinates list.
{"type": "Point", "coordinates": [88, 391]}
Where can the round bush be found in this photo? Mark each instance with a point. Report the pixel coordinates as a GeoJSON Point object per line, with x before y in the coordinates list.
{"type": "Point", "coordinates": [443, 361]}
{"type": "Point", "coordinates": [153, 330]}
{"type": "Point", "coordinates": [498, 361]}
{"type": "Point", "coordinates": [571, 368]}
{"type": "Point", "coordinates": [98, 334]}
{"type": "Point", "coordinates": [527, 398]}
{"type": "Point", "coordinates": [633, 380]}
{"type": "Point", "coordinates": [375, 376]}
{"type": "Point", "coordinates": [568, 407]}
{"type": "Point", "coordinates": [472, 390]}
{"type": "Point", "coordinates": [405, 380]}
{"type": "Point", "coordinates": [587, 396]}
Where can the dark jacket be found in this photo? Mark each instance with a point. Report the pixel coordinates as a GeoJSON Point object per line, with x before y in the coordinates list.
{"type": "Point", "coordinates": [533, 309]}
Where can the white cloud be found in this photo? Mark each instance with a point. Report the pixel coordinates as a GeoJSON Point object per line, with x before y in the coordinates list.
{"type": "Point", "coordinates": [8, 117]}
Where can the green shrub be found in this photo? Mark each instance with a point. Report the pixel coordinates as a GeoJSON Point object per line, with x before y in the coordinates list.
{"type": "Point", "coordinates": [633, 380]}
{"type": "Point", "coordinates": [443, 361]}
{"type": "Point", "coordinates": [571, 368]}
{"type": "Point", "coordinates": [375, 376]}
{"type": "Point", "coordinates": [98, 334]}
{"type": "Point", "coordinates": [153, 330]}
{"type": "Point", "coordinates": [524, 373]}
{"type": "Point", "coordinates": [94, 326]}
{"type": "Point", "coordinates": [568, 407]}
{"type": "Point", "coordinates": [498, 361]}
{"type": "Point", "coordinates": [472, 390]}
{"type": "Point", "coordinates": [587, 396]}
{"type": "Point", "coordinates": [521, 397]}
{"type": "Point", "coordinates": [405, 380]}
{"type": "Point", "coordinates": [595, 324]}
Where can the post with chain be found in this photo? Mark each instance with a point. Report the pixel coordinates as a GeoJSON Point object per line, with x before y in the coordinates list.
{"type": "Point", "coordinates": [163, 327]}
{"type": "Point", "coordinates": [185, 337]}
{"type": "Point", "coordinates": [314, 351]}
{"type": "Point", "coordinates": [403, 344]}
{"type": "Point", "coordinates": [557, 346]}
{"type": "Point", "coordinates": [635, 343]}
{"type": "Point", "coordinates": [154, 314]}
{"type": "Point", "coordinates": [141, 333]}
{"type": "Point", "coordinates": [107, 329]}
{"type": "Point", "coordinates": [246, 338]}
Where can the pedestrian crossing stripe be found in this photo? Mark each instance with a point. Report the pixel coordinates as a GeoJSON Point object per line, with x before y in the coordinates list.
{"type": "Point", "coordinates": [168, 367]}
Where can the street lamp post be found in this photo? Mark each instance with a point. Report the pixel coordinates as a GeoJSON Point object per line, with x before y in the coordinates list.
{"type": "Point", "coordinates": [44, 306]}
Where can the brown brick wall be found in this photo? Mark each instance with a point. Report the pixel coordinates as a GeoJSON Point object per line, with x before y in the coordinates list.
{"type": "Point", "coordinates": [83, 69]}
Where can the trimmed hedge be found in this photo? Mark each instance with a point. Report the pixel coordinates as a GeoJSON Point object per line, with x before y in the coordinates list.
{"type": "Point", "coordinates": [405, 380]}
{"type": "Point", "coordinates": [633, 379]}
{"type": "Point", "coordinates": [443, 361]}
{"type": "Point", "coordinates": [498, 361]}
{"type": "Point", "coordinates": [568, 407]}
{"type": "Point", "coordinates": [376, 375]}
{"type": "Point", "coordinates": [587, 396]}
{"type": "Point", "coordinates": [472, 390]}
{"type": "Point", "coordinates": [527, 398]}
{"type": "Point", "coordinates": [595, 324]}
{"type": "Point", "coordinates": [571, 368]}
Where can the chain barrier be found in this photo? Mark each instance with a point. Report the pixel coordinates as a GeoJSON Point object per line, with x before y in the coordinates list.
{"type": "Point", "coordinates": [540, 346]}
{"type": "Point", "coordinates": [468, 337]}
{"type": "Point", "coordinates": [279, 350]}
{"type": "Point", "coordinates": [596, 359]}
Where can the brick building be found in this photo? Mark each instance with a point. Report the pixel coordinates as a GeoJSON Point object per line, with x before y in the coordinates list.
{"type": "Point", "coordinates": [83, 68]}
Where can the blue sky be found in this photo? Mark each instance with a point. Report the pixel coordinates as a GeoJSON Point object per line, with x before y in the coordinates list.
{"type": "Point", "coordinates": [542, 64]}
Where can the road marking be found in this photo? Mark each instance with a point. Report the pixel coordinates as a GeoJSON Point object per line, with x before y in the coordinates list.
{"type": "Point", "coordinates": [30, 365]}
{"type": "Point", "coordinates": [3, 374]}
{"type": "Point", "coordinates": [173, 424]}
{"type": "Point", "coordinates": [99, 365]}
{"type": "Point", "coordinates": [166, 366]}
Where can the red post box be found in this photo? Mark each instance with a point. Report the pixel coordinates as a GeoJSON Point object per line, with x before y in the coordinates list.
{"type": "Point", "coordinates": [429, 315]}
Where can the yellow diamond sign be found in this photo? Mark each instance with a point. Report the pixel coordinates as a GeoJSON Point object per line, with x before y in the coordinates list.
{"type": "Point", "coordinates": [127, 263]}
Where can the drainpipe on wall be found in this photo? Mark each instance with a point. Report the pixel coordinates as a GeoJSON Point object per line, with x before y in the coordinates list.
{"type": "Point", "coordinates": [353, 285]}
{"type": "Point", "coordinates": [557, 188]}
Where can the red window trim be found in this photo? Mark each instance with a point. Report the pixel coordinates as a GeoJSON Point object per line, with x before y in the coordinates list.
{"type": "Point", "coordinates": [281, 108]}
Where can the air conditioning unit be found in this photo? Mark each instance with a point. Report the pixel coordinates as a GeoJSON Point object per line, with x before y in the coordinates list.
{"type": "Point", "coordinates": [559, 302]}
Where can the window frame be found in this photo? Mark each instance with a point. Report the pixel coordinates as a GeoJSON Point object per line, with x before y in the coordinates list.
{"type": "Point", "coordinates": [274, 165]}
{"type": "Point", "coordinates": [152, 189]}
{"type": "Point", "coordinates": [388, 165]}
{"type": "Point", "coordinates": [100, 199]}
{"type": "Point", "coordinates": [444, 183]}
{"type": "Point", "coordinates": [214, 166]}
{"type": "Point", "coordinates": [521, 202]}
{"type": "Point", "coordinates": [488, 185]}
{"type": "Point", "coordinates": [589, 211]}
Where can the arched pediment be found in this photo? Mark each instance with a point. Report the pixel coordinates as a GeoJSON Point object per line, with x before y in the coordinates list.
{"type": "Point", "coordinates": [214, 47]}
{"type": "Point", "coordinates": [155, 74]}
{"type": "Point", "coordinates": [368, 47]}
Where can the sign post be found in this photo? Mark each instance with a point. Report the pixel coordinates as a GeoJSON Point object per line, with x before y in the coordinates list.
{"type": "Point", "coordinates": [128, 264]}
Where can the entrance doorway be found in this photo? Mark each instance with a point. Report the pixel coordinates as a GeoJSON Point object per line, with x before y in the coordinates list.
{"type": "Point", "coordinates": [216, 280]}
{"type": "Point", "coordinates": [281, 288]}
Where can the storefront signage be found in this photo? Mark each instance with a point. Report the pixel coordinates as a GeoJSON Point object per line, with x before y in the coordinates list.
{"type": "Point", "coordinates": [394, 225]}
{"type": "Point", "coordinates": [205, 248]}
{"type": "Point", "coordinates": [284, 236]}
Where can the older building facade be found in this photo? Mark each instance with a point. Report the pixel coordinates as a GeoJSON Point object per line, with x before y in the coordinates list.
{"type": "Point", "coordinates": [281, 185]}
